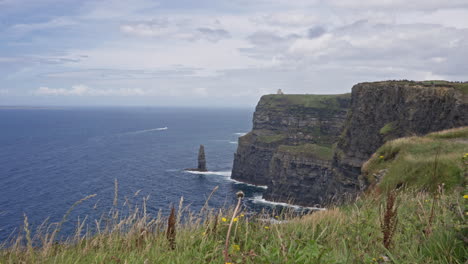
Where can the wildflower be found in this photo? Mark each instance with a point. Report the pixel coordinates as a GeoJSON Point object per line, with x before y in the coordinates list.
{"type": "Point", "coordinates": [465, 196]}
{"type": "Point", "coordinates": [426, 200]}
{"type": "Point", "coordinates": [236, 247]}
{"type": "Point", "coordinates": [242, 215]}
{"type": "Point", "coordinates": [276, 216]}
{"type": "Point", "coordinates": [224, 219]}
{"type": "Point", "coordinates": [228, 263]}
{"type": "Point", "coordinates": [235, 219]}
{"type": "Point", "coordinates": [374, 259]}
{"type": "Point", "coordinates": [381, 157]}
{"type": "Point", "coordinates": [204, 234]}
{"type": "Point", "coordinates": [267, 227]}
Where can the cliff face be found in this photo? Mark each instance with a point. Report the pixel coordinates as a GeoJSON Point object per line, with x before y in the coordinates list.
{"type": "Point", "coordinates": [289, 131]}
{"type": "Point", "coordinates": [290, 147]}
{"type": "Point", "coordinates": [383, 111]}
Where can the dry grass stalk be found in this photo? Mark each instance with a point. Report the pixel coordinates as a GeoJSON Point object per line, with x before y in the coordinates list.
{"type": "Point", "coordinates": [389, 222]}
{"type": "Point", "coordinates": [435, 178]}
{"type": "Point", "coordinates": [240, 195]}
{"type": "Point", "coordinates": [171, 229]}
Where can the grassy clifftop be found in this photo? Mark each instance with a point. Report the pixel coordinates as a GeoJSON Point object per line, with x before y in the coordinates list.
{"type": "Point", "coordinates": [421, 162]}
{"type": "Point", "coordinates": [276, 101]}
{"type": "Point", "coordinates": [461, 86]}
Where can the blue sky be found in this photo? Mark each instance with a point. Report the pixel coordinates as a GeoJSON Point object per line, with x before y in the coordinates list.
{"type": "Point", "coordinates": [220, 52]}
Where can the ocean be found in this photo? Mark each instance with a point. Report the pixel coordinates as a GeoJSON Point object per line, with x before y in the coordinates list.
{"type": "Point", "coordinates": [51, 158]}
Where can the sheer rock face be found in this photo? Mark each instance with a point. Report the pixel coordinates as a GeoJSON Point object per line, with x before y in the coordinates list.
{"type": "Point", "coordinates": [287, 148]}
{"type": "Point", "coordinates": [281, 121]}
{"type": "Point", "coordinates": [384, 111]}
{"type": "Point", "coordinates": [201, 159]}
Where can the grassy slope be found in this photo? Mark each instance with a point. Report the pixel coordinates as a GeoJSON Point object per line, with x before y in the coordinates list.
{"type": "Point", "coordinates": [348, 234]}
{"type": "Point", "coordinates": [413, 160]}
{"type": "Point", "coordinates": [316, 151]}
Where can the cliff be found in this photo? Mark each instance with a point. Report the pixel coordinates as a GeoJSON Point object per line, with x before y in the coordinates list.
{"type": "Point", "coordinates": [382, 111]}
{"type": "Point", "coordinates": [291, 133]}
{"type": "Point", "coordinates": [309, 149]}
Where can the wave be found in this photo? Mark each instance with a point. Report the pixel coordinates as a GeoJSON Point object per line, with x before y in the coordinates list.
{"type": "Point", "coordinates": [259, 199]}
{"type": "Point", "coordinates": [240, 133]}
{"type": "Point", "coordinates": [221, 173]}
{"type": "Point", "coordinates": [248, 184]}
{"type": "Point", "coordinates": [148, 130]}
{"type": "Point", "coordinates": [233, 142]}
{"type": "Point", "coordinates": [226, 174]}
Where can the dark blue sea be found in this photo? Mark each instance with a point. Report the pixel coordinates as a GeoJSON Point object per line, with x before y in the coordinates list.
{"type": "Point", "coordinates": [51, 158]}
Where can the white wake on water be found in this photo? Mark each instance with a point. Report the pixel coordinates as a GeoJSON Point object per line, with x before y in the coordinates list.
{"type": "Point", "coordinates": [148, 130]}
{"type": "Point", "coordinates": [240, 133]}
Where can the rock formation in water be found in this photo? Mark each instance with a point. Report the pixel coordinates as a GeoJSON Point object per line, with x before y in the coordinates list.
{"type": "Point", "coordinates": [308, 149]}
{"type": "Point", "coordinates": [201, 160]}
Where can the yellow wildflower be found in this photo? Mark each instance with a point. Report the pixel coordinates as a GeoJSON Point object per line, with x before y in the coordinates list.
{"type": "Point", "coordinates": [381, 157]}
{"type": "Point", "coordinates": [224, 219]}
{"type": "Point", "coordinates": [228, 263]}
{"type": "Point", "coordinates": [276, 216]}
{"type": "Point", "coordinates": [204, 234]}
{"type": "Point", "coordinates": [236, 247]}
{"type": "Point", "coordinates": [235, 219]}
{"type": "Point", "coordinates": [241, 215]}
{"type": "Point", "coordinates": [267, 227]}
{"type": "Point", "coordinates": [465, 196]}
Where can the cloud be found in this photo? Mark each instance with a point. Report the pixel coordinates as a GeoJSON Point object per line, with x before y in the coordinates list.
{"type": "Point", "coordinates": [398, 4]}
{"type": "Point", "coordinates": [83, 90]}
{"type": "Point", "coordinates": [4, 91]}
{"type": "Point", "coordinates": [213, 34]}
{"type": "Point", "coordinates": [315, 32]}
{"type": "Point", "coordinates": [181, 29]}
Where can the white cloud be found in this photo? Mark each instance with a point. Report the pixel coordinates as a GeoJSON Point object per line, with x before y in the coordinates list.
{"type": "Point", "coordinates": [179, 29]}
{"type": "Point", "coordinates": [83, 90]}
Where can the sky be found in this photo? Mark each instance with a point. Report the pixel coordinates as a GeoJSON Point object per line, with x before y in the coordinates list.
{"type": "Point", "coordinates": [220, 52]}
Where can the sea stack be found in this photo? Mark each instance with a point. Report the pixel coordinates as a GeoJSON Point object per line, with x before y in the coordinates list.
{"type": "Point", "coordinates": [201, 159]}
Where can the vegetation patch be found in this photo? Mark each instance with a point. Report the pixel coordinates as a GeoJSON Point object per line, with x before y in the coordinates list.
{"type": "Point", "coordinates": [271, 138]}
{"type": "Point", "coordinates": [346, 234]}
{"type": "Point", "coordinates": [333, 102]}
{"type": "Point", "coordinates": [420, 162]}
{"type": "Point", "coordinates": [389, 127]}
{"type": "Point", "coordinates": [455, 133]}
{"type": "Point", "coordinates": [317, 151]}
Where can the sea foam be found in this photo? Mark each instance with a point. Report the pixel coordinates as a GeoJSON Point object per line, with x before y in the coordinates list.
{"type": "Point", "coordinates": [259, 200]}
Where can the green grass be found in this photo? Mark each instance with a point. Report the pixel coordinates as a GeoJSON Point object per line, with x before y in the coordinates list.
{"type": "Point", "coordinates": [320, 152]}
{"type": "Point", "coordinates": [347, 234]}
{"type": "Point", "coordinates": [461, 86]}
{"type": "Point", "coordinates": [272, 138]}
{"type": "Point", "coordinates": [335, 102]}
{"type": "Point", "coordinates": [456, 133]}
{"type": "Point", "coordinates": [389, 127]}
{"type": "Point", "coordinates": [423, 162]}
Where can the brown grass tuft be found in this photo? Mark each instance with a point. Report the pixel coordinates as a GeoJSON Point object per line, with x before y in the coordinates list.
{"type": "Point", "coordinates": [171, 229]}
